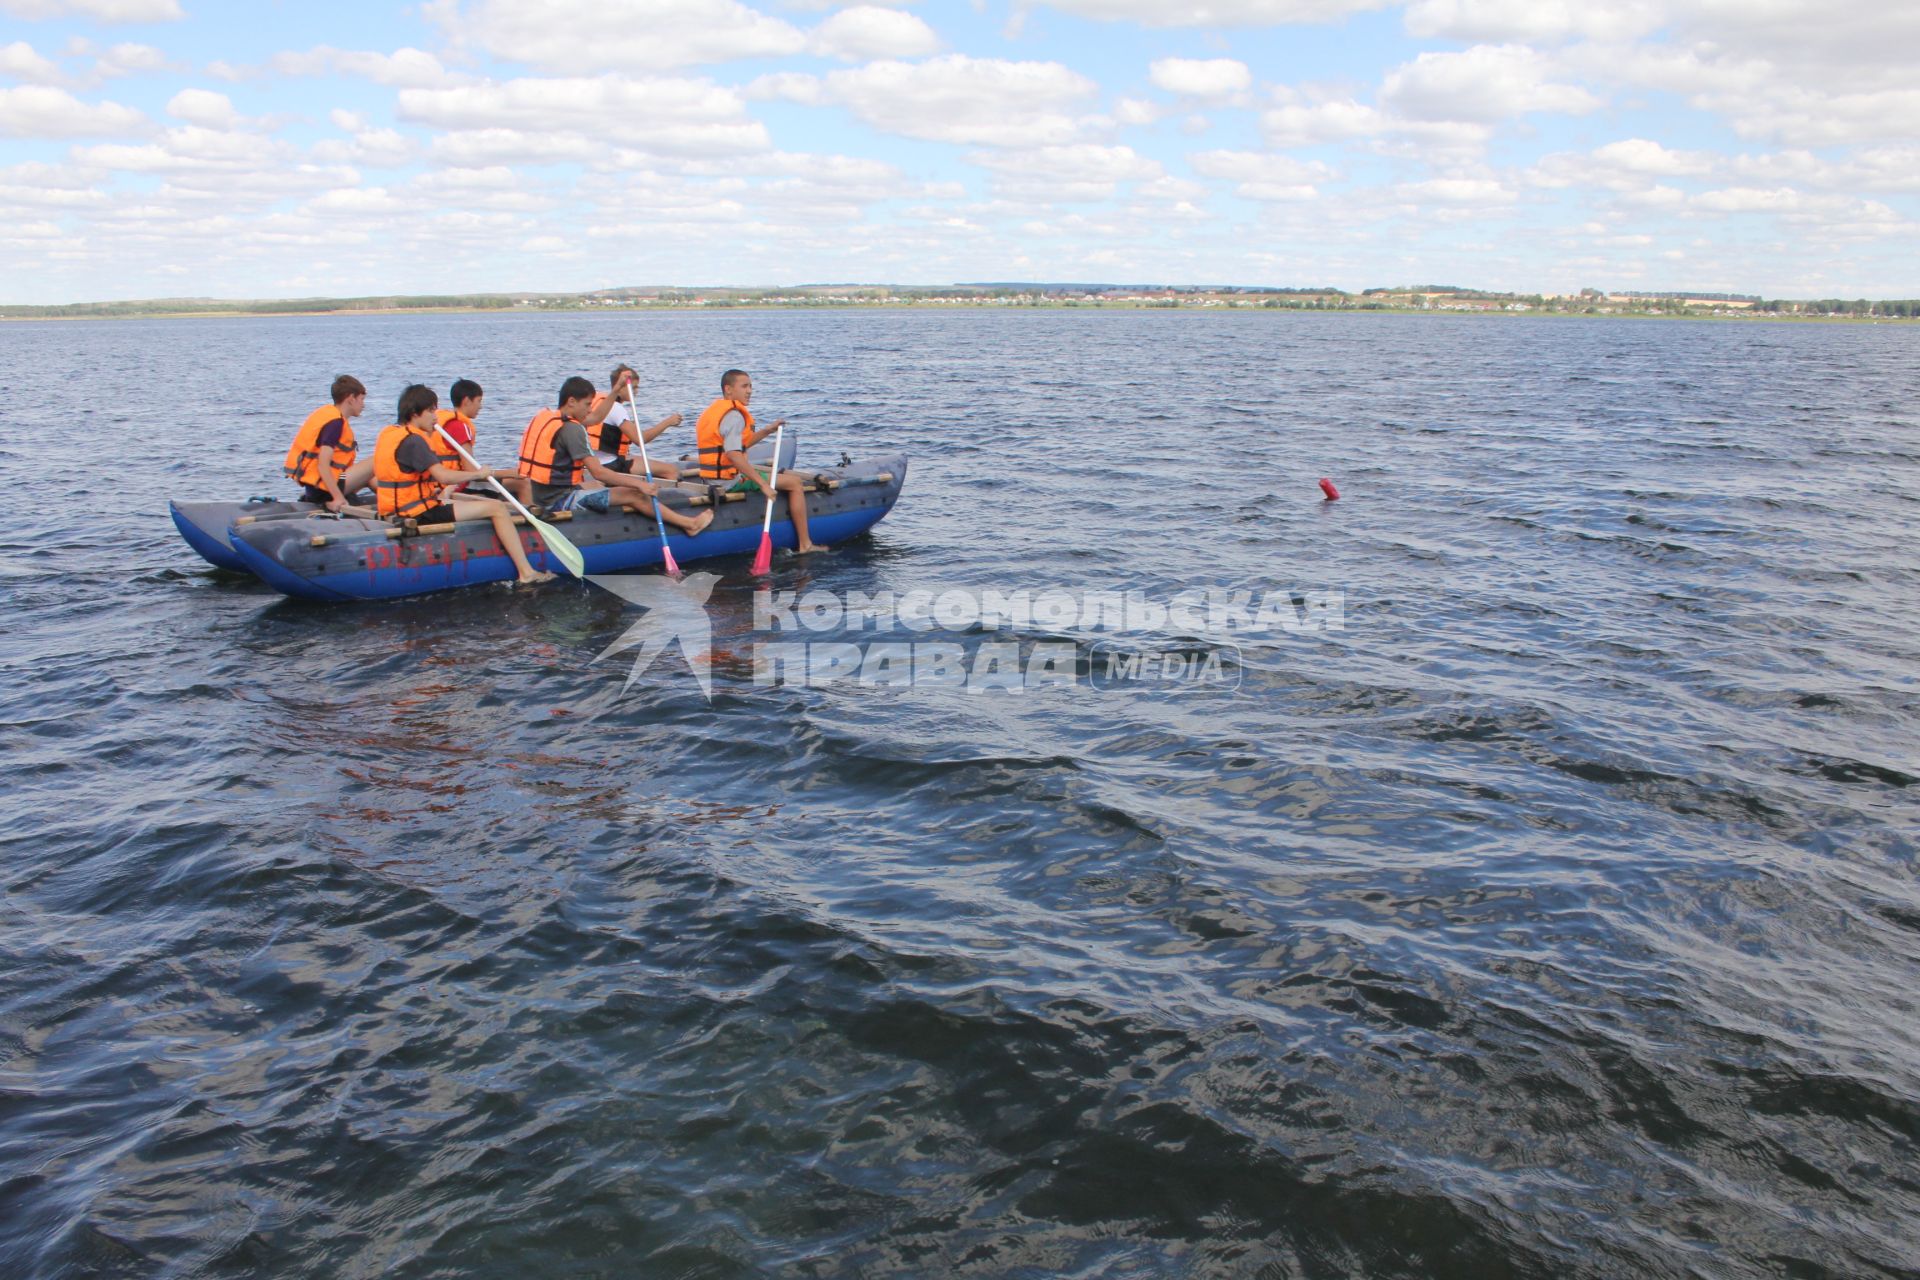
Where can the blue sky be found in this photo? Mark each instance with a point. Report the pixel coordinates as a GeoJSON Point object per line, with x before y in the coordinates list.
{"type": "Point", "coordinates": [156, 148]}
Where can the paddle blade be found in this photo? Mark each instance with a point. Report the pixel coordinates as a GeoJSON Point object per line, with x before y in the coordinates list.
{"type": "Point", "coordinates": [565, 552]}
{"type": "Point", "coordinates": [763, 558]}
{"type": "Point", "coordinates": [673, 570]}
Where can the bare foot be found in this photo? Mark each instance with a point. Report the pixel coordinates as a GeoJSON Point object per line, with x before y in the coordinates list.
{"type": "Point", "coordinates": [809, 548]}
{"type": "Point", "coordinates": [700, 522]}
{"type": "Point", "coordinates": [537, 575]}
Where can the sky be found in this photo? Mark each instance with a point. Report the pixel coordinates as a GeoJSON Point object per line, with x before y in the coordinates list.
{"type": "Point", "coordinates": [270, 149]}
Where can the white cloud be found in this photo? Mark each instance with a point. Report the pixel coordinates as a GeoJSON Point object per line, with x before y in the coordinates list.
{"type": "Point", "coordinates": [1629, 167]}
{"type": "Point", "coordinates": [1079, 172]}
{"type": "Point", "coordinates": [130, 59]}
{"type": "Point", "coordinates": [42, 111]}
{"type": "Point", "coordinates": [1167, 187]}
{"type": "Point", "coordinates": [982, 101]}
{"type": "Point", "coordinates": [1868, 43]}
{"type": "Point", "coordinates": [1643, 156]}
{"type": "Point", "coordinates": [681, 180]}
{"type": "Point", "coordinates": [1655, 197]}
{"type": "Point", "coordinates": [1891, 168]}
{"type": "Point", "coordinates": [868, 31]}
{"type": "Point", "coordinates": [98, 10]}
{"type": "Point", "coordinates": [1215, 13]}
{"type": "Point", "coordinates": [191, 149]}
{"type": "Point", "coordinates": [401, 68]}
{"type": "Point", "coordinates": [1209, 78]}
{"type": "Point", "coordinates": [1293, 124]}
{"type": "Point", "coordinates": [1805, 72]}
{"type": "Point", "coordinates": [1819, 118]}
{"type": "Point", "coordinates": [491, 121]}
{"type": "Point", "coordinates": [47, 187]}
{"type": "Point", "coordinates": [238, 188]}
{"type": "Point", "coordinates": [1748, 200]}
{"type": "Point", "coordinates": [374, 148]}
{"type": "Point", "coordinates": [203, 107]}
{"type": "Point", "coordinates": [484, 148]}
{"type": "Point", "coordinates": [846, 173]}
{"type": "Point", "coordinates": [492, 187]}
{"type": "Point", "coordinates": [1776, 200]}
{"type": "Point", "coordinates": [1456, 191]}
{"type": "Point", "coordinates": [575, 36]}
{"type": "Point", "coordinates": [1263, 175]}
{"type": "Point", "coordinates": [1535, 20]}
{"type": "Point", "coordinates": [20, 61]}
{"type": "Point", "coordinates": [1485, 84]}
{"type": "Point", "coordinates": [357, 202]}
{"type": "Point", "coordinates": [1833, 218]}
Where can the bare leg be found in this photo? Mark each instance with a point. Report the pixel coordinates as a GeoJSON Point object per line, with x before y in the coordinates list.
{"type": "Point", "coordinates": [661, 469]}
{"type": "Point", "coordinates": [791, 484]}
{"type": "Point", "coordinates": [640, 504]}
{"type": "Point", "coordinates": [487, 509]}
{"type": "Point", "coordinates": [519, 486]}
{"type": "Point", "coordinates": [358, 477]}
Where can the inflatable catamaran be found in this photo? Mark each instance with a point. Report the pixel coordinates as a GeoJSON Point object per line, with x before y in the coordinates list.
{"type": "Point", "coordinates": [306, 552]}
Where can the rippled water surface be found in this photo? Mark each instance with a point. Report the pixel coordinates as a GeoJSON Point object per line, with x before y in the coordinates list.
{"type": "Point", "coordinates": [1557, 917]}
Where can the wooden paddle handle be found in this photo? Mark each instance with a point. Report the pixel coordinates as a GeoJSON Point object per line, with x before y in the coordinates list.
{"type": "Point", "coordinates": [884, 477]}
{"type": "Point", "coordinates": [395, 531]}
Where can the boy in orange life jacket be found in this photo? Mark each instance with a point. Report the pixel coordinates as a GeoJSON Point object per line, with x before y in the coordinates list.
{"type": "Point", "coordinates": [409, 477]}
{"type": "Point", "coordinates": [554, 454]}
{"type": "Point", "coordinates": [466, 396]}
{"type": "Point", "coordinates": [725, 432]}
{"type": "Point", "coordinates": [323, 460]}
{"type": "Point", "coordinates": [619, 432]}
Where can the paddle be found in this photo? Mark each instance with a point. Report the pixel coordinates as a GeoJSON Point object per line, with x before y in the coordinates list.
{"type": "Point", "coordinates": [563, 551]}
{"type": "Point", "coordinates": [673, 569]}
{"type": "Point", "coordinates": [763, 558]}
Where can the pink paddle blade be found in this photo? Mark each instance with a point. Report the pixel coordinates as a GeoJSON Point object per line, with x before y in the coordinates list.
{"type": "Point", "coordinates": [673, 570]}
{"type": "Point", "coordinates": [763, 558]}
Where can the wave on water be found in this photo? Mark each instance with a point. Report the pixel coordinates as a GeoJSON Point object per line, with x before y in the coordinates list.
{"type": "Point", "coordinates": [1553, 915]}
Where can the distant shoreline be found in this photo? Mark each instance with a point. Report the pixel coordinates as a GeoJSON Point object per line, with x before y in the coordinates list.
{"type": "Point", "coordinates": [1432, 312]}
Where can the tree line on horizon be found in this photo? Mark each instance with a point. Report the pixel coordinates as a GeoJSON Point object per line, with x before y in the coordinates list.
{"type": "Point", "coordinates": [1288, 298]}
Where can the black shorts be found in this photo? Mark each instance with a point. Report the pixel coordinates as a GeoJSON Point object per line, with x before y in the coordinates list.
{"type": "Point", "coordinates": [623, 465]}
{"type": "Point", "coordinates": [319, 497]}
{"type": "Point", "coordinates": [442, 514]}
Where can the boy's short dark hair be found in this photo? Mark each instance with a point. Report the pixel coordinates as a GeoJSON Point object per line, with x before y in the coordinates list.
{"type": "Point", "coordinates": [730, 377]}
{"type": "Point", "coordinates": [574, 388]}
{"type": "Point", "coordinates": [347, 385]}
{"type": "Point", "coordinates": [462, 391]}
{"type": "Point", "coordinates": [416, 400]}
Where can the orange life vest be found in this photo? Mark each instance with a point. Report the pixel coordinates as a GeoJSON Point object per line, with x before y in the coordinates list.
{"type": "Point", "coordinates": [708, 440]}
{"type": "Point", "coordinates": [303, 459]}
{"type": "Point", "coordinates": [448, 455]}
{"type": "Point", "coordinates": [472, 442]}
{"type": "Point", "coordinates": [600, 433]}
{"type": "Point", "coordinates": [537, 456]}
{"type": "Point", "coordinates": [400, 493]}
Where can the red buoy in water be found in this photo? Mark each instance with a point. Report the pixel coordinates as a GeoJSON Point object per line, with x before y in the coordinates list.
{"type": "Point", "coordinates": [1326, 487]}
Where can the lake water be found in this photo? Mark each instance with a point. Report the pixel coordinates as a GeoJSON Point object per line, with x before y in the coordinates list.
{"type": "Point", "coordinates": [1554, 916]}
